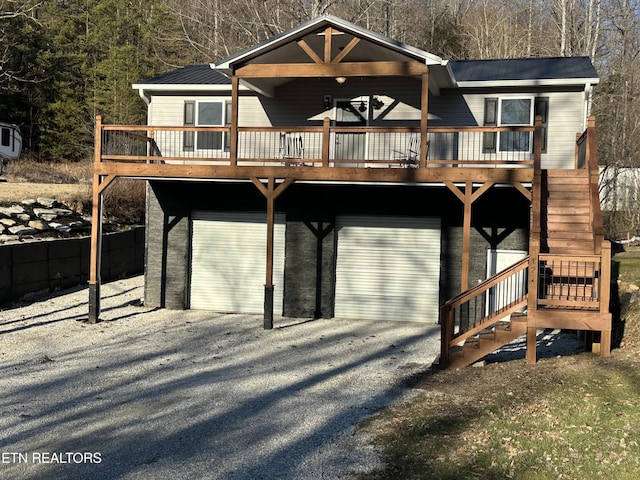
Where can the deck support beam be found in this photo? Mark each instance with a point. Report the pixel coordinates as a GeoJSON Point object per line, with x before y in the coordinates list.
{"type": "Point", "coordinates": [467, 197]}
{"type": "Point", "coordinates": [271, 191]}
{"type": "Point", "coordinates": [532, 355]}
{"type": "Point", "coordinates": [100, 183]}
{"type": "Point", "coordinates": [233, 132]}
{"type": "Point", "coordinates": [424, 109]}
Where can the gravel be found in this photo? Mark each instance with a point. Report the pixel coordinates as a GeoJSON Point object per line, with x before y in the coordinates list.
{"type": "Point", "coordinates": [155, 393]}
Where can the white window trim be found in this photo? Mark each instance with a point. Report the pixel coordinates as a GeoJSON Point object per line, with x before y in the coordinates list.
{"type": "Point", "coordinates": [532, 101]}
{"type": "Point", "coordinates": [224, 121]}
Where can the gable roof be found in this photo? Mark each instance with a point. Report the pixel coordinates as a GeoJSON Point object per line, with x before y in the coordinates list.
{"type": "Point", "coordinates": [524, 71]}
{"type": "Point", "coordinates": [293, 47]}
{"type": "Point", "coordinates": [316, 24]}
{"type": "Point", "coordinates": [283, 48]}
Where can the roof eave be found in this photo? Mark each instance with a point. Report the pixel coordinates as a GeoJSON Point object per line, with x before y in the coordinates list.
{"type": "Point", "coordinates": [175, 87]}
{"type": "Point", "coordinates": [541, 82]}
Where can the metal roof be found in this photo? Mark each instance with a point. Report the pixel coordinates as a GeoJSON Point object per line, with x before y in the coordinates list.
{"type": "Point", "coordinates": [465, 73]}
{"type": "Point", "coordinates": [530, 70]}
{"type": "Point", "coordinates": [191, 75]}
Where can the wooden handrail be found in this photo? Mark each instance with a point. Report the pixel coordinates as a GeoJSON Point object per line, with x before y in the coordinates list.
{"type": "Point", "coordinates": [487, 284]}
{"type": "Point", "coordinates": [261, 143]}
{"type": "Point", "coordinates": [447, 311]}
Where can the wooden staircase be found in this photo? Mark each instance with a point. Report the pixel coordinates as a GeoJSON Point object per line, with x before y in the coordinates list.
{"type": "Point", "coordinates": [566, 275]}
{"type": "Point", "coordinates": [567, 228]}
{"type": "Point", "coordinates": [487, 341]}
{"type": "Point", "coordinates": [469, 333]}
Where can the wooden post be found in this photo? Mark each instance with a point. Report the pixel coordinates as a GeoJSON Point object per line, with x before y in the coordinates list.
{"type": "Point", "coordinates": [446, 334]}
{"type": "Point", "coordinates": [592, 157]}
{"type": "Point", "coordinates": [532, 333]}
{"type": "Point", "coordinates": [466, 237]}
{"type": "Point", "coordinates": [534, 252]}
{"type": "Point", "coordinates": [328, 32]}
{"type": "Point", "coordinates": [537, 144]}
{"type": "Point", "coordinates": [96, 231]}
{"type": "Point", "coordinates": [326, 141]}
{"type": "Point", "coordinates": [424, 116]}
{"type": "Point", "coordinates": [268, 284]}
{"type": "Point", "coordinates": [233, 144]}
{"type": "Point", "coordinates": [271, 192]}
{"type": "Point", "coordinates": [605, 294]}
{"type": "Point", "coordinates": [467, 198]}
{"type": "Point", "coordinates": [96, 252]}
{"type": "Point", "coordinates": [100, 183]}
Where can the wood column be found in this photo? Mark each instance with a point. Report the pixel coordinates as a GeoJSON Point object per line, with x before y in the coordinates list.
{"type": "Point", "coordinates": [268, 282]}
{"type": "Point", "coordinates": [271, 192]}
{"type": "Point", "coordinates": [466, 237]}
{"type": "Point", "coordinates": [100, 183]}
{"type": "Point", "coordinates": [467, 198]}
{"type": "Point", "coordinates": [326, 141]}
{"type": "Point", "coordinates": [532, 355]}
{"type": "Point", "coordinates": [605, 297]}
{"type": "Point", "coordinates": [233, 144]}
{"type": "Point", "coordinates": [424, 116]}
{"type": "Point", "coordinates": [96, 252]}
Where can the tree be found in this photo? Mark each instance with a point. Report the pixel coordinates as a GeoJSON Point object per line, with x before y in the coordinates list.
{"type": "Point", "coordinates": [18, 21]}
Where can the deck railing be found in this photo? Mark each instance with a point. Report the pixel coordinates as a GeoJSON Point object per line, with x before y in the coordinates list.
{"type": "Point", "coordinates": [570, 281]}
{"type": "Point", "coordinates": [482, 306]}
{"type": "Point", "coordinates": [326, 145]}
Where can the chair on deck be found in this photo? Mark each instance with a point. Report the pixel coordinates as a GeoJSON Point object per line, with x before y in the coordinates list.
{"type": "Point", "coordinates": [409, 158]}
{"type": "Point", "coordinates": [291, 149]}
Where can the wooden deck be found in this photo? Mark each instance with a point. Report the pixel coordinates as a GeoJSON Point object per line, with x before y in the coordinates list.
{"type": "Point", "coordinates": [327, 153]}
{"type": "Point", "coordinates": [565, 288]}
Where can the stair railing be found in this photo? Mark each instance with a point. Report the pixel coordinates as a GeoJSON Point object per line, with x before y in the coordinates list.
{"type": "Point", "coordinates": [565, 281]}
{"type": "Point", "coordinates": [482, 306]}
{"type": "Point", "coordinates": [577, 282]}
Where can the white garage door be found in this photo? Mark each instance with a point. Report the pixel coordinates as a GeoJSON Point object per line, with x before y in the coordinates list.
{"type": "Point", "coordinates": [228, 261]}
{"type": "Point", "coordinates": [388, 268]}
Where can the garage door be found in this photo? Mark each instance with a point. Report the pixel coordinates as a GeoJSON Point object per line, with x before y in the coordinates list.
{"type": "Point", "coordinates": [388, 268]}
{"type": "Point", "coordinates": [228, 261]}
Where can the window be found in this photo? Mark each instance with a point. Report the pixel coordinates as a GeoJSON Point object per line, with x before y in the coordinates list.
{"type": "Point", "coordinates": [514, 112]}
{"type": "Point", "coordinates": [6, 137]}
{"type": "Point", "coordinates": [206, 114]}
{"type": "Point", "coordinates": [210, 114]}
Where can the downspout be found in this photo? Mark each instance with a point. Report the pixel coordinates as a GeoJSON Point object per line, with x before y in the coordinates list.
{"type": "Point", "coordinates": [144, 98]}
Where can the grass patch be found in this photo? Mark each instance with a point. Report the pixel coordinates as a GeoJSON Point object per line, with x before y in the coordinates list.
{"type": "Point", "coordinates": [563, 418]}
{"type": "Point", "coordinates": [26, 170]}
{"type": "Point", "coordinates": [124, 199]}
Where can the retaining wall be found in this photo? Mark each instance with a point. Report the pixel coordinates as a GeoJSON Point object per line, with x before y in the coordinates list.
{"type": "Point", "coordinates": [47, 266]}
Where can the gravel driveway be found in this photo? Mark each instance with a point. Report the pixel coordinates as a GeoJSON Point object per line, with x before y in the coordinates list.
{"type": "Point", "coordinates": [160, 394]}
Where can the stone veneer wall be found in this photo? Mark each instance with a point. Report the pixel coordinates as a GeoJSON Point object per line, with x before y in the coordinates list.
{"type": "Point", "coordinates": [46, 266]}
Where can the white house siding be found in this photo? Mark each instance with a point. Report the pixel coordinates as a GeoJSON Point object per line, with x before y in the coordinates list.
{"type": "Point", "coordinates": [168, 110]}
{"type": "Point", "coordinates": [566, 118]}
{"type": "Point", "coordinates": [301, 102]}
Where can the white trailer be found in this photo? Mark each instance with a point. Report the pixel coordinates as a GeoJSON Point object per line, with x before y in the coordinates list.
{"type": "Point", "coordinates": [10, 143]}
